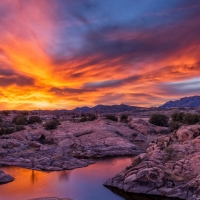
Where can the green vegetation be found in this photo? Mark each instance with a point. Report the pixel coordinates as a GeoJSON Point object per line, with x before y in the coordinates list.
{"type": "Point", "coordinates": [159, 120]}
{"type": "Point", "coordinates": [19, 128]}
{"type": "Point", "coordinates": [21, 121]}
{"type": "Point", "coordinates": [5, 112]}
{"type": "Point", "coordinates": [180, 118]}
{"type": "Point", "coordinates": [177, 117]}
{"type": "Point", "coordinates": [24, 112]}
{"type": "Point", "coordinates": [34, 119]}
{"type": "Point", "coordinates": [8, 128]}
{"type": "Point", "coordinates": [20, 117]}
{"type": "Point", "coordinates": [51, 124]}
{"type": "Point", "coordinates": [124, 118]}
{"type": "Point", "coordinates": [88, 117]}
{"type": "Point", "coordinates": [112, 117]}
{"type": "Point", "coordinates": [190, 119]}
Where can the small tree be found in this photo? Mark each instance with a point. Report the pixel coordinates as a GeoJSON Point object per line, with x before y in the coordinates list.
{"type": "Point", "coordinates": [51, 125]}
{"type": "Point", "coordinates": [190, 119]}
{"type": "Point", "coordinates": [19, 128]}
{"type": "Point", "coordinates": [178, 117]}
{"type": "Point", "coordinates": [159, 120]}
{"type": "Point", "coordinates": [20, 121]}
{"type": "Point", "coordinates": [5, 112]}
{"type": "Point", "coordinates": [112, 117]}
{"type": "Point", "coordinates": [24, 112]}
{"type": "Point", "coordinates": [124, 118]}
{"type": "Point", "coordinates": [18, 116]}
{"type": "Point", "coordinates": [34, 119]}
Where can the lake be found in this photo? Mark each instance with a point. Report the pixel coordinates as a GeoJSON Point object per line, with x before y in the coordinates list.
{"type": "Point", "coordinates": [78, 184]}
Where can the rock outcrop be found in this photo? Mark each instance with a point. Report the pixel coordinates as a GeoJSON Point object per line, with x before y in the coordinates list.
{"type": "Point", "coordinates": [5, 178]}
{"type": "Point", "coordinates": [170, 167]}
{"type": "Point", "coordinates": [191, 102]}
{"type": "Point", "coordinates": [73, 145]}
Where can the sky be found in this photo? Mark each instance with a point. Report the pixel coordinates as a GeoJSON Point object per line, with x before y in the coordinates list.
{"type": "Point", "coordinates": [62, 54]}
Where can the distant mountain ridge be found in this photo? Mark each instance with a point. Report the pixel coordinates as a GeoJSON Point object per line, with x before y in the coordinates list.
{"type": "Point", "coordinates": [191, 102]}
{"type": "Point", "coordinates": [107, 108]}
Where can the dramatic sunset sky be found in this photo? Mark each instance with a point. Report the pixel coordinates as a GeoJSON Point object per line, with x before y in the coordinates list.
{"type": "Point", "coordinates": [60, 54]}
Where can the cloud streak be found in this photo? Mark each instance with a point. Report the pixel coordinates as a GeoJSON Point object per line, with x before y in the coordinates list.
{"type": "Point", "coordinates": [74, 53]}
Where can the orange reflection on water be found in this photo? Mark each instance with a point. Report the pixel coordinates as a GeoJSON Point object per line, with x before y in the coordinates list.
{"type": "Point", "coordinates": [80, 184]}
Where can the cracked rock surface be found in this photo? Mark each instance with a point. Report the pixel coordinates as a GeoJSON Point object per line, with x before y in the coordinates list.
{"type": "Point", "coordinates": [74, 145]}
{"type": "Point", "coordinates": [170, 167]}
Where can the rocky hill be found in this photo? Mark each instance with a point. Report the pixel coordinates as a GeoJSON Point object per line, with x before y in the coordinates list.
{"type": "Point", "coordinates": [191, 102]}
{"type": "Point", "coordinates": [107, 108]}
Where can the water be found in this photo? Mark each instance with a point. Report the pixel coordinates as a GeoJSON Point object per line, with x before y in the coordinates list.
{"type": "Point", "coordinates": [78, 184]}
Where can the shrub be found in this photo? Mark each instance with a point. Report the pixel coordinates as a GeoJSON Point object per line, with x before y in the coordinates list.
{"type": "Point", "coordinates": [190, 119]}
{"type": "Point", "coordinates": [24, 112]}
{"type": "Point", "coordinates": [19, 128]}
{"type": "Point", "coordinates": [124, 118]}
{"type": "Point", "coordinates": [88, 117]}
{"type": "Point", "coordinates": [91, 117]}
{"type": "Point", "coordinates": [1, 131]}
{"type": "Point", "coordinates": [159, 120]}
{"type": "Point", "coordinates": [34, 119]}
{"type": "Point", "coordinates": [42, 139]}
{"type": "Point", "coordinates": [20, 121]}
{"type": "Point", "coordinates": [18, 116]}
{"type": "Point", "coordinates": [51, 125]}
{"type": "Point", "coordinates": [178, 117]}
{"type": "Point", "coordinates": [112, 117]}
{"type": "Point", "coordinates": [83, 119]}
{"type": "Point", "coordinates": [5, 112]}
{"type": "Point", "coordinates": [9, 130]}
{"type": "Point", "coordinates": [1, 120]}
{"type": "Point", "coordinates": [174, 125]}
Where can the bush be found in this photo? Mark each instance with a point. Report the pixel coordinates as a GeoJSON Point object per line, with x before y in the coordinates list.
{"type": "Point", "coordinates": [112, 117]}
{"type": "Point", "coordinates": [83, 119]}
{"type": "Point", "coordinates": [159, 120]}
{"type": "Point", "coordinates": [124, 118]}
{"type": "Point", "coordinates": [88, 117]}
{"type": "Point", "coordinates": [174, 125]}
{"type": "Point", "coordinates": [91, 117]}
{"type": "Point", "coordinates": [14, 120]}
{"type": "Point", "coordinates": [34, 119]}
{"type": "Point", "coordinates": [190, 119]}
{"type": "Point", "coordinates": [24, 112]}
{"type": "Point", "coordinates": [51, 125]}
{"type": "Point", "coordinates": [19, 128]}
{"type": "Point", "coordinates": [5, 112]}
{"type": "Point", "coordinates": [42, 139]}
{"type": "Point", "coordinates": [178, 117]}
{"type": "Point", "coordinates": [20, 121]}
{"type": "Point", "coordinates": [9, 130]}
{"type": "Point", "coordinates": [1, 120]}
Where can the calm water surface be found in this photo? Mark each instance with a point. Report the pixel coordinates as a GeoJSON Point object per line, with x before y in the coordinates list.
{"type": "Point", "coordinates": [78, 184]}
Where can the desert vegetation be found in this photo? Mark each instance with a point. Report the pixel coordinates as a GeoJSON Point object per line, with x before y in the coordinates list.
{"type": "Point", "coordinates": [88, 117]}
{"type": "Point", "coordinates": [52, 124]}
{"type": "Point", "coordinates": [159, 120]}
{"type": "Point", "coordinates": [176, 120]}
{"type": "Point", "coordinates": [34, 119]}
{"type": "Point", "coordinates": [112, 117]}
{"type": "Point", "coordinates": [124, 118]}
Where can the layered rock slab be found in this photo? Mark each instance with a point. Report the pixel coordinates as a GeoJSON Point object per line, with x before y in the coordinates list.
{"type": "Point", "coordinates": [71, 145]}
{"type": "Point", "coordinates": [170, 167]}
{"type": "Point", "coordinates": [5, 178]}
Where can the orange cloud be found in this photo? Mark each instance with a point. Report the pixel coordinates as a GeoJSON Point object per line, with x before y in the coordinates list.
{"type": "Point", "coordinates": [53, 54]}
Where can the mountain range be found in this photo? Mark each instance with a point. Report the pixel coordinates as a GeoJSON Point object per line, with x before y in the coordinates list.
{"type": "Point", "coordinates": [191, 102]}
{"type": "Point", "coordinates": [108, 108]}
